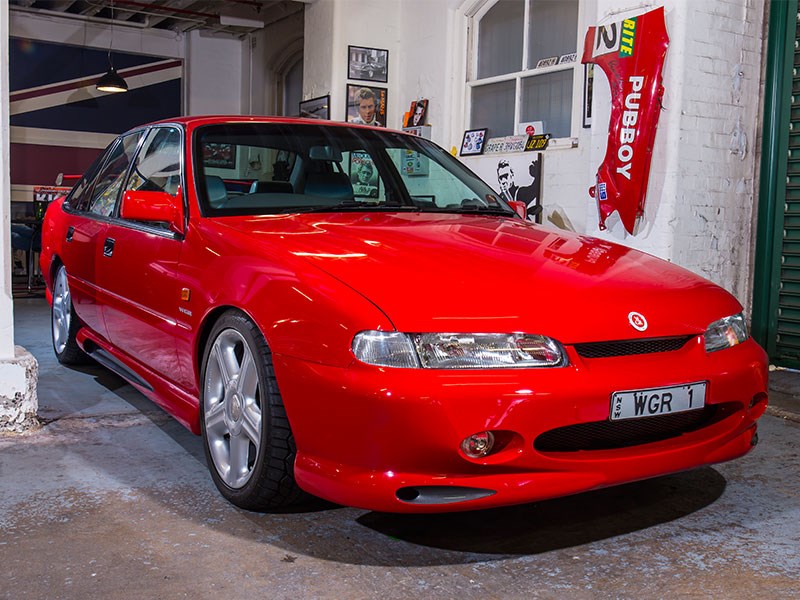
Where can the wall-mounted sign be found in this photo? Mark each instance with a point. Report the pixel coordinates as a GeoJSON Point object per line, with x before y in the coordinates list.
{"type": "Point", "coordinates": [537, 142]}
{"type": "Point", "coordinates": [509, 143]}
{"type": "Point", "coordinates": [547, 62]}
{"type": "Point", "coordinates": [530, 128]}
{"type": "Point", "coordinates": [631, 54]}
{"type": "Point", "coordinates": [48, 193]}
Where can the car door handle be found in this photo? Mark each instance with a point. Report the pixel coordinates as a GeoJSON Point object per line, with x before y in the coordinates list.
{"type": "Point", "coordinates": [70, 233]}
{"type": "Point", "coordinates": [108, 247]}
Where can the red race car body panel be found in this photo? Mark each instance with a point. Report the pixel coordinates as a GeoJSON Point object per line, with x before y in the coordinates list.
{"type": "Point", "coordinates": [317, 271]}
{"type": "Point", "coordinates": [631, 54]}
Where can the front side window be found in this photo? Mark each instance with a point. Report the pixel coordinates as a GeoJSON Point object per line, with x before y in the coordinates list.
{"type": "Point", "coordinates": [158, 164]}
{"type": "Point", "coordinates": [111, 177]}
{"type": "Point", "coordinates": [318, 168]}
{"type": "Point", "coordinates": [526, 52]}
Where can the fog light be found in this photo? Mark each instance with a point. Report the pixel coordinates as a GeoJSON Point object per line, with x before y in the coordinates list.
{"type": "Point", "coordinates": [478, 444]}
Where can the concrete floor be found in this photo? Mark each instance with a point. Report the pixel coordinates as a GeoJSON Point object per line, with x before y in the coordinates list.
{"type": "Point", "coordinates": [112, 499]}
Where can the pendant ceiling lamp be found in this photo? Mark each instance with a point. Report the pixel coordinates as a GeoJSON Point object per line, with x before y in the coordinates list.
{"type": "Point", "coordinates": [112, 81]}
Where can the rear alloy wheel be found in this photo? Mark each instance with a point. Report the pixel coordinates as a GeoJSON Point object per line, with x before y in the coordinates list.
{"type": "Point", "coordinates": [65, 324]}
{"type": "Point", "coordinates": [247, 439]}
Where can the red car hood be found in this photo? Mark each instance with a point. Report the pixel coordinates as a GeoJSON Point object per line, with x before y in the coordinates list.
{"type": "Point", "coordinates": [469, 273]}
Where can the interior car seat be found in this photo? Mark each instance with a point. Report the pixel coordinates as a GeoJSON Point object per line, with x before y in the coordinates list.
{"type": "Point", "coordinates": [215, 188]}
{"type": "Point", "coordinates": [330, 185]}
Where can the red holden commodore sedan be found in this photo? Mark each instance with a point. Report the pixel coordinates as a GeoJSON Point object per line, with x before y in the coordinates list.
{"type": "Point", "coordinates": [351, 312]}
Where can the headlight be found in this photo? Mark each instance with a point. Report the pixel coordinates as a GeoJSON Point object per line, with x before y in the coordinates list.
{"type": "Point", "coordinates": [457, 350]}
{"type": "Point", "coordinates": [726, 333]}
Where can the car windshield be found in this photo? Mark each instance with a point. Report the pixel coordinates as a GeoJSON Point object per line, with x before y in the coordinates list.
{"type": "Point", "coordinates": [273, 168]}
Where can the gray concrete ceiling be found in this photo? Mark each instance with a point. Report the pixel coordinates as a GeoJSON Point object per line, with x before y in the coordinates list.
{"type": "Point", "coordinates": [233, 17]}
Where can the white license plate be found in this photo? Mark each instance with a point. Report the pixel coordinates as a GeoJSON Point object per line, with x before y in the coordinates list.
{"type": "Point", "coordinates": [633, 404]}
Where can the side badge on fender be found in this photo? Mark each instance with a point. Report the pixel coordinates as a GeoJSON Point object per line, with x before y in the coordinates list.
{"type": "Point", "coordinates": [637, 321]}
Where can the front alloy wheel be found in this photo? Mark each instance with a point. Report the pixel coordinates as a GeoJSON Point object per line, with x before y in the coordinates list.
{"type": "Point", "coordinates": [248, 442]}
{"type": "Point", "coordinates": [232, 406]}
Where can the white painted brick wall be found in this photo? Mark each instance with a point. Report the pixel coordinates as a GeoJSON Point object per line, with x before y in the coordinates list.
{"type": "Point", "coordinates": [722, 39]}
{"type": "Point", "coordinates": [701, 197]}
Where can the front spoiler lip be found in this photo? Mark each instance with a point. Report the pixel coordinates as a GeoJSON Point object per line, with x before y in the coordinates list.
{"type": "Point", "coordinates": [371, 490]}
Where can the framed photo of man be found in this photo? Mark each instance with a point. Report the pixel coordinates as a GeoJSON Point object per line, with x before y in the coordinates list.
{"type": "Point", "coordinates": [366, 105]}
{"type": "Point", "coordinates": [367, 64]}
{"type": "Point", "coordinates": [417, 113]}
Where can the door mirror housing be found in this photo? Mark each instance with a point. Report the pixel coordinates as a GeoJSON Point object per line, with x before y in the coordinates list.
{"type": "Point", "coordinates": [154, 207]}
{"type": "Point", "coordinates": [519, 207]}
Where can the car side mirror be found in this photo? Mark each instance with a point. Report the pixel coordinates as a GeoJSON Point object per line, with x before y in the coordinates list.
{"type": "Point", "coordinates": [158, 207]}
{"type": "Point", "coordinates": [520, 208]}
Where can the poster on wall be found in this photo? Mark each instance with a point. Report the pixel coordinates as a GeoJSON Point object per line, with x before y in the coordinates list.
{"type": "Point", "coordinates": [366, 105]}
{"type": "Point", "coordinates": [363, 175]}
{"type": "Point", "coordinates": [516, 177]}
{"type": "Point", "coordinates": [60, 122]}
{"type": "Point", "coordinates": [221, 156]}
{"type": "Point", "coordinates": [631, 54]}
{"type": "Point", "coordinates": [417, 113]}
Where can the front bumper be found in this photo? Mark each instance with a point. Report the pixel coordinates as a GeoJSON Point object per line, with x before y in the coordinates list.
{"type": "Point", "coordinates": [389, 439]}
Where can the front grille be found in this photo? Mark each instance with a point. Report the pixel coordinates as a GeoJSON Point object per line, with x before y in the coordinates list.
{"type": "Point", "coordinates": [610, 435]}
{"type": "Point", "coordinates": [628, 347]}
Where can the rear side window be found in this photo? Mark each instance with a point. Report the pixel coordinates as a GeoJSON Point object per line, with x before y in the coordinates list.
{"type": "Point", "coordinates": [81, 194]}
{"type": "Point", "coordinates": [109, 181]}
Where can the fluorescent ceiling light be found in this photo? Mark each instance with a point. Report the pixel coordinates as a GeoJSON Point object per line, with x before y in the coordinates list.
{"type": "Point", "coordinates": [240, 22]}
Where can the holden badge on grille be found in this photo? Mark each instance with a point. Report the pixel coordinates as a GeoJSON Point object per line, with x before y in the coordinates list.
{"type": "Point", "coordinates": [637, 321]}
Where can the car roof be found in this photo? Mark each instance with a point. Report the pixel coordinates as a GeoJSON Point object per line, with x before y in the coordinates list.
{"type": "Point", "coordinates": [191, 122]}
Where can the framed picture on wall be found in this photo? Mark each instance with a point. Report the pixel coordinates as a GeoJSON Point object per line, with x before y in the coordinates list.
{"type": "Point", "coordinates": [472, 143]}
{"type": "Point", "coordinates": [366, 105]}
{"type": "Point", "coordinates": [316, 108]}
{"type": "Point", "coordinates": [417, 114]}
{"type": "Point", "coordinates": [367, 64]}
{"type": "Point", "coordinates": [222, 156]}
{"type": "Point", "coordinates": [588, 83]}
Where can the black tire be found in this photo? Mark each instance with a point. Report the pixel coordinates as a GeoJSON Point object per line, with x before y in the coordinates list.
{"type": "Point", "coordinates": [227, 410]}
{"type": "Point", "coordinates": [64, 323]}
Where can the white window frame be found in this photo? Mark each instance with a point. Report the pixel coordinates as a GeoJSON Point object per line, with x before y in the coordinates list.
{"type": "Point", "coordinates": [477, 12]}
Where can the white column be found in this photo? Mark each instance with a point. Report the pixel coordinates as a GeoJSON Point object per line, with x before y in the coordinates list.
{"type": "Point", "coordinates": [19, 371]}
{"type": "Point", "coordinates": [6, 305]}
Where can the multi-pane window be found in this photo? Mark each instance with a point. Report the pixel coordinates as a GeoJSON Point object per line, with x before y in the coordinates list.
{"type": "Point", "coordinates": [525, 55]}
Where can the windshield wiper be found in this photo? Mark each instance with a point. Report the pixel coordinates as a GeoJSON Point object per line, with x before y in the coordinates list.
{"type": "Point", "coordinates": [475, 210]}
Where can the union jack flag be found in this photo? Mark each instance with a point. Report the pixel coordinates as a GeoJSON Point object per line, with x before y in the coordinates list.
{"type": "Point", "coordinates": [60, 122]}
